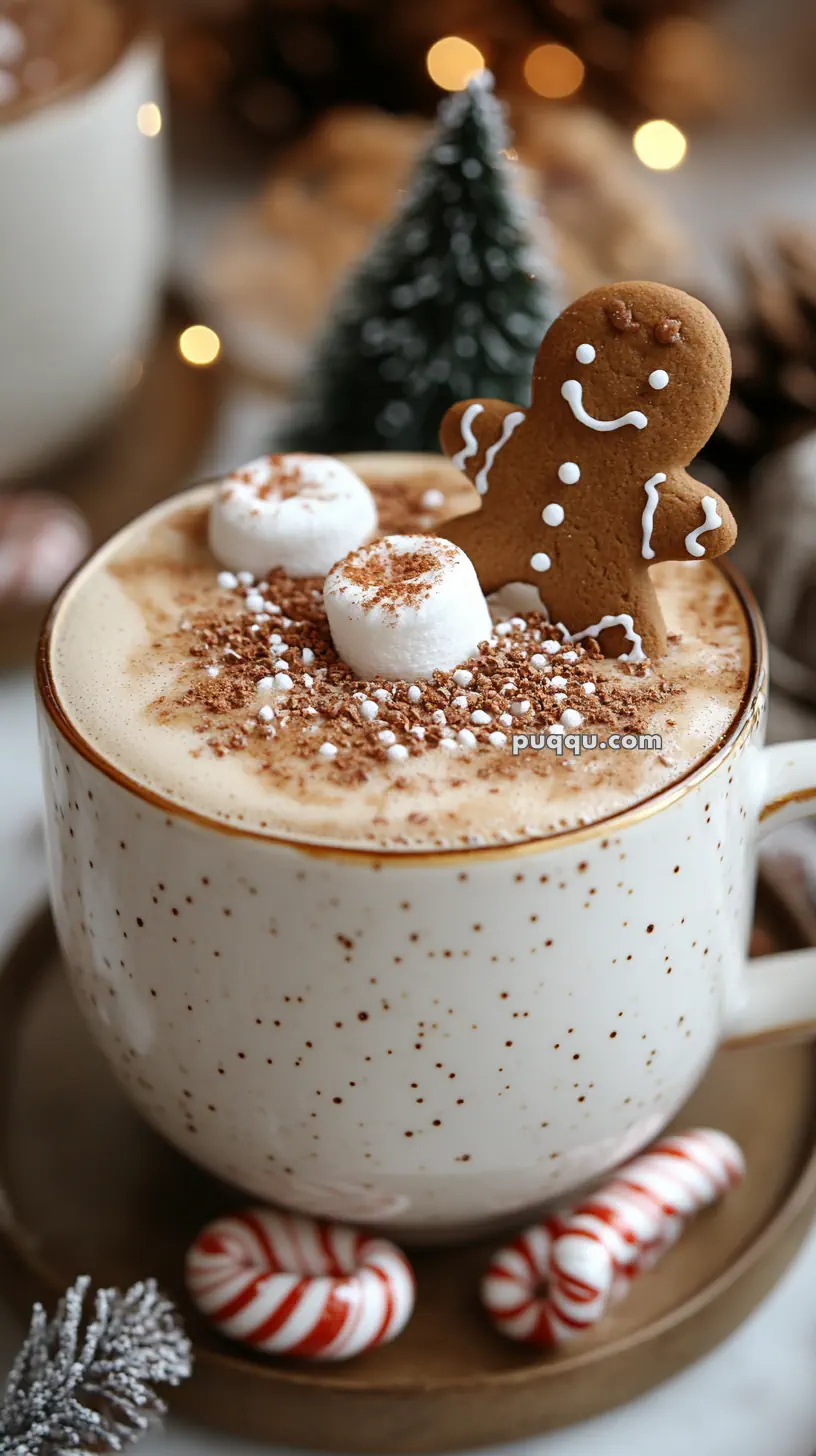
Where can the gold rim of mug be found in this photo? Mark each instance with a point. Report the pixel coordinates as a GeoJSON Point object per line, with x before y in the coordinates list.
{"type": "Point", "coordinates": [600, 828]}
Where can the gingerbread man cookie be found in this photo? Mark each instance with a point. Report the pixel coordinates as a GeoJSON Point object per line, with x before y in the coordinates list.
{"type": "Point", "coordinates": [583, 491]}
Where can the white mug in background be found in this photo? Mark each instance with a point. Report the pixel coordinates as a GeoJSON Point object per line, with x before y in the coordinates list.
{"type": "Point", "coordinates": [82, 255]}
{"type": "Point", "coordinates": [437, 1042]}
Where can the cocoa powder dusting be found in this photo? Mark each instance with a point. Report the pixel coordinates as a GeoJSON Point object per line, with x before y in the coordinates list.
{"type": "Point", "coordinates": [223, 651]}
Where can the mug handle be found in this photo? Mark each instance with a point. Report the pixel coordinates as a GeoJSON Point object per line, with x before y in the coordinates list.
{"type": "Point", "coordinates": [777, 995]}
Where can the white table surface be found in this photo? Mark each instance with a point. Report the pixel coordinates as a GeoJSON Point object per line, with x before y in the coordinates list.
{"type": "Point", "coordinates": [756, 1394]}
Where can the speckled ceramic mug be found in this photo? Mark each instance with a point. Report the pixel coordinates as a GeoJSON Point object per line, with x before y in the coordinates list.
{"type": "Point", "coordinates": [438, 1042]}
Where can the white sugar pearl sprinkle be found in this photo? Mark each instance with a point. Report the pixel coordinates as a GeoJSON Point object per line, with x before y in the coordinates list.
{"type": "Point", "coordinates": [308, 680]}
{"type": "Point", "coordinates": [266, 685]}
{"type": "Point", "coordinates": [369, 710]}
{"type": "Point", "coordinates": [569, 473]}
{"type": "Point", "coordinates": [558, 682]}
{"type": "Point", "coordinates": [417, 730]}
{"type": "Point", "coordinates": [497, 739]}
{"type": "Point", "coordinates": [466, 738]}
{"type": "Point", "coordinates": [540, 561]}
{"type": "Point", "coordinates": [480, 717]}
{"type": "Point", "coordinates": [658, 379]}
{"type": "Point", "coordinates": [585, 354]}
{"type": "Point", "coordinates": [227, 580]}
{"type": "Point", "coordinates": [280, 665]}
{"type": "Point", "coordinates": [245, 578]}
{"type": "Point", "coordinates": [447, 743]}
{"type": "Point", "coordinates": [570, 657]}
{"type": "Point", "coordinates": [327, 750]}
{"type": "Point", "coordinates": [506, 719]}
{"type": "Point", "coordinates": [462, 677]}
{"type": "Point", "coordinates": [387, 737]}
{"type": "Point", "coordinates": [414, 693]}
{"type": "Point", "coordinates": [552, 647]}
{"type": "Point", "coordinates": [571, 718]}
{"type": "Point", "coordinates": [381, 694]}
{"type": "Point", "coordinates": [503, 629]}
{"type": "Point", "coordinates": [560, 698]}
{"type": "Point", "coordinates": [213, 671]}
{"type": "Point", "coordinates": [589, 689]}
{"type": "Point", "coordinates": [266, 714]}
{"type": "Point", "coordinates": [432, 500]}
{"type": "Point", "coordinates": [538, 660]}
{"type": "Point", "coordinates": [460, 702]}
{"type": "Point", "coordinates": [438, 716]}
{"type": "Point", "coordinates": [518, 709]}
{"type": "Point", "coordinates": [553, 514]}
{"type": "Point", "coordinates": [254, 602]}
{"type": "Point", "coordinates": [397, 752]}
{"type": "Point", "coordinates": [307, 656]}
{"type": "Point", "coordinates": [283, 682]}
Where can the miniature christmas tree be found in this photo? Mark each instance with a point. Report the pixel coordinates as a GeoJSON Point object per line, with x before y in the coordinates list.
{"type": "Point", "coordinates": [449, 303]}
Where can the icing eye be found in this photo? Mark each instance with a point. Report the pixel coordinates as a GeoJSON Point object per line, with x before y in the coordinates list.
{"type": "Point", "coordinates": [585, 353]}
{"type": "Point", "coordinates": [658, 379]}
{"type": "Point", "coordinates": [569, 473]}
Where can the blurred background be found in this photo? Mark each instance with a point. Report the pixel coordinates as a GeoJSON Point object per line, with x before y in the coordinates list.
{"type": "Point", "coordinates": [191, 189]}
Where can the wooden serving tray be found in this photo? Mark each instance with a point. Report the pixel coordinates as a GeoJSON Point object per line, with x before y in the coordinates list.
{"type": "Point", "coordinates": [86, 1187]}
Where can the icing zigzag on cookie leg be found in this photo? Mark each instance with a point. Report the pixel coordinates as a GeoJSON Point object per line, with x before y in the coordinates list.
{"type": "Point", "coordinates": [624, 620]}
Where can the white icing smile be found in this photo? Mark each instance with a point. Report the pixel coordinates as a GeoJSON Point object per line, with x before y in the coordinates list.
{"type": "Point", "coordinates": [572, 391]}
{"type": "Point", "coordinates": [710, 523]}
{"type": "Point", "coordinates": [624, 620]}
{"type": "Point", "coordinates": [647, 519]}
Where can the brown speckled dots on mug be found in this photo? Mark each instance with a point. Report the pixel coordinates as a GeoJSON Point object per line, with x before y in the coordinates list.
{"type": "Point", "coordinates": [438, 1042]}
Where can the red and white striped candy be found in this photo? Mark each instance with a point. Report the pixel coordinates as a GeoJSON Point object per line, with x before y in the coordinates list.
{"type": "Point", "coordinates": [287, 1285]}
{"type": "Point", "coordinates": [589, 1257]}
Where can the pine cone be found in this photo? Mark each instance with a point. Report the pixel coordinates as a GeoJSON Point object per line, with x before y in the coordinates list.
{"type": "Point", "coordinates": [773, 395]}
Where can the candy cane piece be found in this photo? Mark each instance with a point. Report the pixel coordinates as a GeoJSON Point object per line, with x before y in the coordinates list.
{"type": "Point", "coordinates": [287, 1285]}
{"type": "Point", "coordinates": [558, 1278]}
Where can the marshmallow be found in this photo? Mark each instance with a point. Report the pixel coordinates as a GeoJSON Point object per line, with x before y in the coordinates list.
{"type": "Point", "coordinates": [298, 512]}
{"type": "Point", "coordinates": [405, 607]}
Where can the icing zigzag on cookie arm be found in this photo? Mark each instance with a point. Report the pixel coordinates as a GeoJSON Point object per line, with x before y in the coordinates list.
{"type": "Point", "coordinates": [626, 400]}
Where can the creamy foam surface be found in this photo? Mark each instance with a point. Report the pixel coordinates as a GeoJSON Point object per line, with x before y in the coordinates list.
{"type": "Point", "coordinates": [115, 660]}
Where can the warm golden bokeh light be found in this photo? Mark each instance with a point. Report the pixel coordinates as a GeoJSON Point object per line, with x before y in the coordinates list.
{"type": "Point", "coordinates": [199, 345]}
{"type": "Point", "coordinates": [553, 71]}
{"type": "Point", "coordinates": [149, 119]}
{"type": "Point", "coordinates": [453, 61]}
{"type": "Point", "coordinates": [659, 145]}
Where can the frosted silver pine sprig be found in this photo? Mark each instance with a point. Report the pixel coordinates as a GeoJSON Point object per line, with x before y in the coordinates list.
{"type": "Point", "coordinates": [90, 1387]}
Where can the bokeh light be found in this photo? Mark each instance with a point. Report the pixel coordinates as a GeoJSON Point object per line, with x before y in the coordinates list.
{"type": "Point", "coordinates": [453, 61]}
{"type": "Point", "coordinates": [659, 145]}
{"type": "Point", "coordinates": [553, 71]}
{"type": "Point", "coordinates": [149, 119]}
{"type": "Point", "coordinates": [199, 345]}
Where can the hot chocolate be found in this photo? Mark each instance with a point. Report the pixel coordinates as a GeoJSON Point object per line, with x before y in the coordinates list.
{"type": "Point", "coordinates": [225, 693]}
{"type": "Point", "coordinates": [51, 48]}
